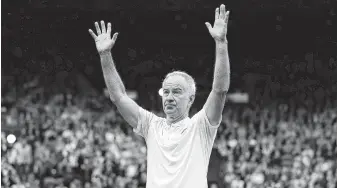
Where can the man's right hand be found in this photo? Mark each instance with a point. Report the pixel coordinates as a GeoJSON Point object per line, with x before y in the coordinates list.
{"type": "Point", "coordinates": [103, 39]}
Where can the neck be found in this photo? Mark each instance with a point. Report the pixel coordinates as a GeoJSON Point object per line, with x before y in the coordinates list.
{"type": "Point", "coordinates": [171, 119]}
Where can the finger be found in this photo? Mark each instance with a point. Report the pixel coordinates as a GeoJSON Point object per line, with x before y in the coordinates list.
{"type": "Point", "coordinates": [92, 34]}
{"type": "Point", "coordinates": [114, 37]}
{"type": "Point", "coordinates": [103, 27]}
{"type": "Point", "coordinates": [97, 28]}
{"type": "Point", "coordinates": [217, 13]}
{"type": "Point", "coordinates": [227, 17]}
{"type": "Point", "coordinates": [109, 28]}
{"type": "Point", "coordinates": [222, 11]}
{"type": "Point", "coordinates": [209, 26]}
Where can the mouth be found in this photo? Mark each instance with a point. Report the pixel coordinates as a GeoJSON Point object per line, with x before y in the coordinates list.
{"type": "Point", "coordinates": [170, 107]}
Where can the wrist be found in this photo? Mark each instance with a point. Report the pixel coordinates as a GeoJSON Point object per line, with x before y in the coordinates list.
{"type": "Point", "coordinates": [105, 53]}
{"type": "Point", "coordinates": [221, 43]}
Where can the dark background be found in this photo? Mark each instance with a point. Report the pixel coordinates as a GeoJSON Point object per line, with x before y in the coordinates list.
{"type": "Point", "coordinates": [275, 34]}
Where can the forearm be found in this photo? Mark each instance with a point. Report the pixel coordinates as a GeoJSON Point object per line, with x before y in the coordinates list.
{"type": "Point", "coordinates": [221, 69]}
{"type": "Point", "coordinates": [112, 79]}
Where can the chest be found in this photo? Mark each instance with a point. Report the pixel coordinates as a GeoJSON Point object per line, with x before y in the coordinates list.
{"type": "Point", "coordinates": [172, 141]}
{"type": "Point", "coordinates": [167, 134]}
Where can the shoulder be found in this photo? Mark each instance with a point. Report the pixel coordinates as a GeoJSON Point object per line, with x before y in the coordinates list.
{"type": "Point", "coordinates": [151, 116]}
{"type": "Point", "coordinates": [200, 115]}
{"type": "Point", "coordinates": [201, 118]}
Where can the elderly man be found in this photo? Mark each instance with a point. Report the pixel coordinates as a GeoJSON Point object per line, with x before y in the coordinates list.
{"type": "Point", "coordinates": [179, 147]}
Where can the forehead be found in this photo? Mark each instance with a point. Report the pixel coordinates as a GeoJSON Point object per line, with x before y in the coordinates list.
{"type": "Point", "coordinates": [175, 81]}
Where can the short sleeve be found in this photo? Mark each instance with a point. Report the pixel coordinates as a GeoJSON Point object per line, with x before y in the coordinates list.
{"type": "Point", "coordinates": [206, 130]}
{"type": "Point", "coordinates": [145, 119]}
{"type": "Point", "coordinates": [202, 118]}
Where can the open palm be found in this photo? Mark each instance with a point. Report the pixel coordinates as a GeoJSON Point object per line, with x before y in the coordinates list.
{"type": "Point", "coordinates": [219, 29]}
{"type": "Point", "coordinates": [103, 39]}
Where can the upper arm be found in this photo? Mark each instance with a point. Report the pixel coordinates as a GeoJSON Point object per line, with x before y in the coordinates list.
{"type": "Point", "coordinates": [214, 106]}
{"type": "Point", "coordinates": [129, 110]}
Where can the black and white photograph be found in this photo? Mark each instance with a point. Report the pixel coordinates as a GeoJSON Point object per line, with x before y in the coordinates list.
{"type": "Point", "coordinates": [169, 94]}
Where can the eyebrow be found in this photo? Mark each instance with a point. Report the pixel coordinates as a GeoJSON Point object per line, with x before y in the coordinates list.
{"type": "Point", "coordinates": [175, 88]}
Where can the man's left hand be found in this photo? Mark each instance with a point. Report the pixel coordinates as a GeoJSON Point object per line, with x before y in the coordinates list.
{"type": "Point", "coordinates": [219, 29]}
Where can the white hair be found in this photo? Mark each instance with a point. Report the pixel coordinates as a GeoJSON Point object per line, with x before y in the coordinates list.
{"type": "Point", "coordinates": [188, 78]}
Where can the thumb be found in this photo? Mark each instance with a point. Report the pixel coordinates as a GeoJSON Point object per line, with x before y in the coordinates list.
{"type": "Point", "coordinates": [208, 25]}
{"type": "Point", "coordinates": [114, 37]}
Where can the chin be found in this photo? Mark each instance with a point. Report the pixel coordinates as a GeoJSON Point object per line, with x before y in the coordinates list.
{"type": "Point", "coordinates": [169, 112]}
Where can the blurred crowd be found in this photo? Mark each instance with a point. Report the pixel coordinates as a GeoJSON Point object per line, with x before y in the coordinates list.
{"type": "Point", "coordinates": [74, 140]}
{"type": "Point", "coordinates": [69, 141]}
{"type": "Point", "coordinates": [279, 146]}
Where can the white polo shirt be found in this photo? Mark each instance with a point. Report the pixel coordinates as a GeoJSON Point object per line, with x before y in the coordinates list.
{"type": "Point", "coordinates": [177, 155]}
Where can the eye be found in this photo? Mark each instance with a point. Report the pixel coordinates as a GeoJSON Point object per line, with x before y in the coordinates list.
{"type": "Point", "coordinates": [177, 91]}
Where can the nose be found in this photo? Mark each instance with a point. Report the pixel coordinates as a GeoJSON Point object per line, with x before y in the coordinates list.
{"type": "Point", "coordinates": [169, 98]}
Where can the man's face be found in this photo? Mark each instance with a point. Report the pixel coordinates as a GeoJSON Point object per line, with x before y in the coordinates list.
{"type": "Point", "coordinates": [177, 97]}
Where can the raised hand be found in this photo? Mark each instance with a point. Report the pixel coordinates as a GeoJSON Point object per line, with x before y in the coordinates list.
{"type": "Point", "coordinates": [219, 29]}
{"type": "Point", "coordinates": [103, 39]}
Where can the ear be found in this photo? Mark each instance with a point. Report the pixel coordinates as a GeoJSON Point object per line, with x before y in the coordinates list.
{"type": "Point", "coordinates": [191, 99]}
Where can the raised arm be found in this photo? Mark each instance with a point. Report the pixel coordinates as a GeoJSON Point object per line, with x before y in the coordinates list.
{"type": "Point", "coordinates": [216, 100]}
{"type": "Point", "coordinates": [104, 43]}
